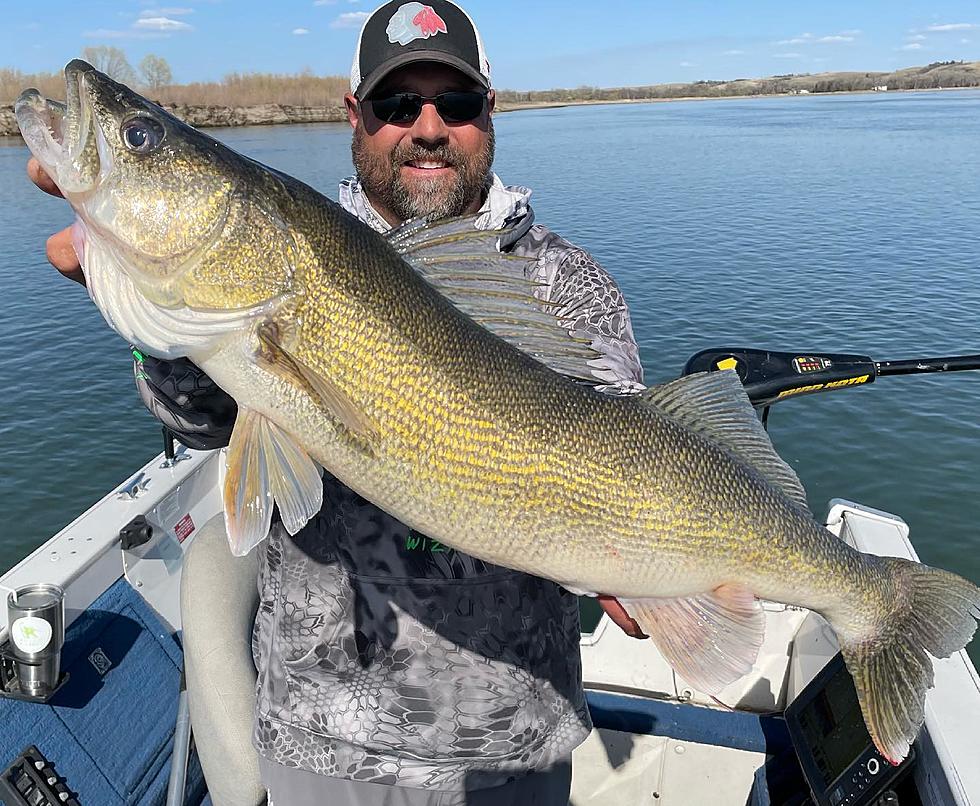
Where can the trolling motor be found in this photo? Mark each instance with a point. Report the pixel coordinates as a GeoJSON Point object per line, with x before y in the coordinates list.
{"type": "Point", "coordinates": [769, 377]}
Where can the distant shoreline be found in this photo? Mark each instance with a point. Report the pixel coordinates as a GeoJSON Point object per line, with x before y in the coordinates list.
{"type": "Point", "coordinates": [203, 117]}
{"type": "Point", "coordinates": [505, 107]}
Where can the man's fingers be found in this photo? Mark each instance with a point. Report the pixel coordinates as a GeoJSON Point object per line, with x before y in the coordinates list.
{"type": "Point", "coordinates": [61, 255]}
{"type": "Point", "coordinates": [60, 251]}
{"type": "Point", "coordinates": [620, 617]}
{"type": "Point", "coordinates": [40, 178]}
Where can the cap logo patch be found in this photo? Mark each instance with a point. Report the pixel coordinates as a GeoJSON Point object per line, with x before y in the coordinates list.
{"type": "Point", "coordinates": [414, 21]}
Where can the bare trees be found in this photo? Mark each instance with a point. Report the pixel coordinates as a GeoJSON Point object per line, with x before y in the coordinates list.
{"type": "Point", "coordinates": [156, 72]}
{"type": "Point", "coordinates": [111, 61]}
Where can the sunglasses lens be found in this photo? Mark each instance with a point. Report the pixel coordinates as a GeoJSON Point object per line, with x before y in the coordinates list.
{"type": "Point", "coordinates": [398, 108]}
{"type": "Point", "coordinates": [459, 107]}
{"type": "Point", "coordinates": [454, 107]}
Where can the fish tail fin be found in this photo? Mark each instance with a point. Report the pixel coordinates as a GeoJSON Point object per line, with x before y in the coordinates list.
{"type": "Point", "coordinates": [935, 613]}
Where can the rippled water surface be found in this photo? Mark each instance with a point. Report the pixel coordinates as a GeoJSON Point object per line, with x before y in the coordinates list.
{"type": "Point", "coordinates": [842, 223]}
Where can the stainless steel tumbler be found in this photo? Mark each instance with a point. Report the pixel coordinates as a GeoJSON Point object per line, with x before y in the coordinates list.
{"type": "Point", "coordinates": [36, 619]}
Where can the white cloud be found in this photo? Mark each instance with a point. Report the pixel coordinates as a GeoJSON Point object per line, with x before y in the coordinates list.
{"type": "Point", "coordinates": [301, 31]}
{"type": "Point", "coordinates": [161, 24]}
{"type": "Point", "coordinates": [733, 53]}
{"type": "Point", "coordinates": [688, 64]}
{"type": "Point", "coordinates": [324, 2]}
{"type": "Point", "coordinates": [809, 39]}
{"type": "Point", "coordinates": [915, 38]}
{"type": "Point", "coordinates": [954, 26]}
{"type": "Point", "coordinates": [787, 55]}
{"type": "Point", "coordinates": [153, 23]}
{"type": "Point", "coordinates": [796, 40]}
{"type": "Point", "coordinates": [964, 41]}
{"type": "Point", "coordinates": [350, 19]}
{"type": "Point", "coordinates": [166, 12]}
{"type": "Point", "coordinates": [912, 46]}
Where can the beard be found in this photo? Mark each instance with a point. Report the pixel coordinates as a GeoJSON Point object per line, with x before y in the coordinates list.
{"type": "Point", "coordinates": [432, 199]}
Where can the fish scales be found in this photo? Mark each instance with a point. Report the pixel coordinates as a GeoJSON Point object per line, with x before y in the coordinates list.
{"type": "Point", "coordinates": [499, 411]}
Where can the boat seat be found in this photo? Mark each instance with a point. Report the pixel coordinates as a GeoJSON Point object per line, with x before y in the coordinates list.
{"type": "Point", "coordinates": [218, 600]}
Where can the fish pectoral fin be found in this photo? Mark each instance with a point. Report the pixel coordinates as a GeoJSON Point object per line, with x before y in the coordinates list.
{"type": "Point", "coordinates": [714, 404]}
{"type": "Point", "coordinates": [274, 358]}
{"type": "Point", "coordinates": [710, 640]}
{"type": "Point", "coordinates": [264, 465]}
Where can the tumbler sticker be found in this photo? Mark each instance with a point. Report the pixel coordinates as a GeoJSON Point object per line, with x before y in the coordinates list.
{"type": "Point", "coordinates": [30, 634]}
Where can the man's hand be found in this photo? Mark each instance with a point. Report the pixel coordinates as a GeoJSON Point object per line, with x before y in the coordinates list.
{"type": "Point", "coordinates": [620, 617]}
{"type": "Point", "coordinates": [61, 253]}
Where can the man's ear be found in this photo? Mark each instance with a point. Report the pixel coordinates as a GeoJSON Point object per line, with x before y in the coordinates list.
{"type": "Point", "coordinates": [353, 112]}
{"type": "Point", "coordinates": [491, 101]}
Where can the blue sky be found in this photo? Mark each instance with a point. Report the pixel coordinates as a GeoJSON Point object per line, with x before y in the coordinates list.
{"type": "Point", "coordinates": [532, 44]}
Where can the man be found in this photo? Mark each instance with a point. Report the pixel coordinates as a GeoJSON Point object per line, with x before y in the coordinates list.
{"type": "Point", "coordinates": [391, 668]}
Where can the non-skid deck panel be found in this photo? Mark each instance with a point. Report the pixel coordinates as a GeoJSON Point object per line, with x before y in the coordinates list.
{"type": "Point", "coordinates": [109, 731]}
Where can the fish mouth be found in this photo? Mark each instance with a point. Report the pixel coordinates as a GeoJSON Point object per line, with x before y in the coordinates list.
{"type": "Point", "coordinates": [65, 137]}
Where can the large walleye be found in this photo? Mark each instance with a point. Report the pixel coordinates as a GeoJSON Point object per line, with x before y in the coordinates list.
{"type": "Point", "coordinates": [392, 363]}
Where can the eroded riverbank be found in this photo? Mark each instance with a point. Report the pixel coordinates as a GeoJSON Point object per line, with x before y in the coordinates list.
{"type": "Point", "coordinates": [209, 116]}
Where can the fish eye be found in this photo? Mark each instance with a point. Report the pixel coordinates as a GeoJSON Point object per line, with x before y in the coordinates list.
{"type": "Point", "coordinates": [142, 135]}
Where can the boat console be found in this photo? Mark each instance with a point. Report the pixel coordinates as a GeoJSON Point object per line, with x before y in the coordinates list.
{"type": "Point", "coordinates": [839, 762]}
{"type": "Point", "coordinates": [31, 780]}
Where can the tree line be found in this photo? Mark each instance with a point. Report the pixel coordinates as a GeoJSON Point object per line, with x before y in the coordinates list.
{"type": "Point", "coordinates": [152, 73]}
{"type": "Point", "coordinates": [153, 77]}
{"type": "Point", "coordinates": [932, 76]}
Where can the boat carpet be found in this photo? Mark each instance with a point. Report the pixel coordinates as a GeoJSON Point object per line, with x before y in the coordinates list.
{"type": "Point", "coordinates": [109, 731]}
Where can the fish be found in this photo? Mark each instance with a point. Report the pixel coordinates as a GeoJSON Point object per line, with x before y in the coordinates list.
{"type": "Point", "coordinates": [425, 371]}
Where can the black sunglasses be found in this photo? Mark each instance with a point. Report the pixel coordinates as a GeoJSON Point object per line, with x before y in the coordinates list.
{"type": "Point", "coordinates": [460, 106]}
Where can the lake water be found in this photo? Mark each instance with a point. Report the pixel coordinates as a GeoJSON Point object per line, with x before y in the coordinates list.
{"type": "Point", "coordinates": [839, 223]}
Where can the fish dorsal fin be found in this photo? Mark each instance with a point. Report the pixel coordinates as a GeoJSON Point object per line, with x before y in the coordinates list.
{"type": "Point", "coordinates": [265, 465]}
{"type": "Point", "coordinates": [463, 263]}
{"type": "Point", "coordinates": [715, 405]}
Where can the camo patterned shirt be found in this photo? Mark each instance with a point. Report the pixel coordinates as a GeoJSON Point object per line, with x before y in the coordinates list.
{"type": "Point", "coordinates": [383, 655]}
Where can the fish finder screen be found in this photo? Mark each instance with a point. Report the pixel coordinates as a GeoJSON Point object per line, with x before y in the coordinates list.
{"type": "Point", "coordinates": [834, 728]}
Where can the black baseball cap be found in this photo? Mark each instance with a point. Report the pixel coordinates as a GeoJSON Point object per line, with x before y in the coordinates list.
{"type": "Point", "coordinates": [400, 33]}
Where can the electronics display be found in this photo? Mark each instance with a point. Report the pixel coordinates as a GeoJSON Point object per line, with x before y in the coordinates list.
{"type": "Point", "coordinates": [839, 761]}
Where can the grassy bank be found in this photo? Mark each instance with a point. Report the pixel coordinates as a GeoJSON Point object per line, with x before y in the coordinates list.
{"type": "Point", "coordinates": [938, 75]}
{"type": "Point", "coordinates": [263, 98]}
